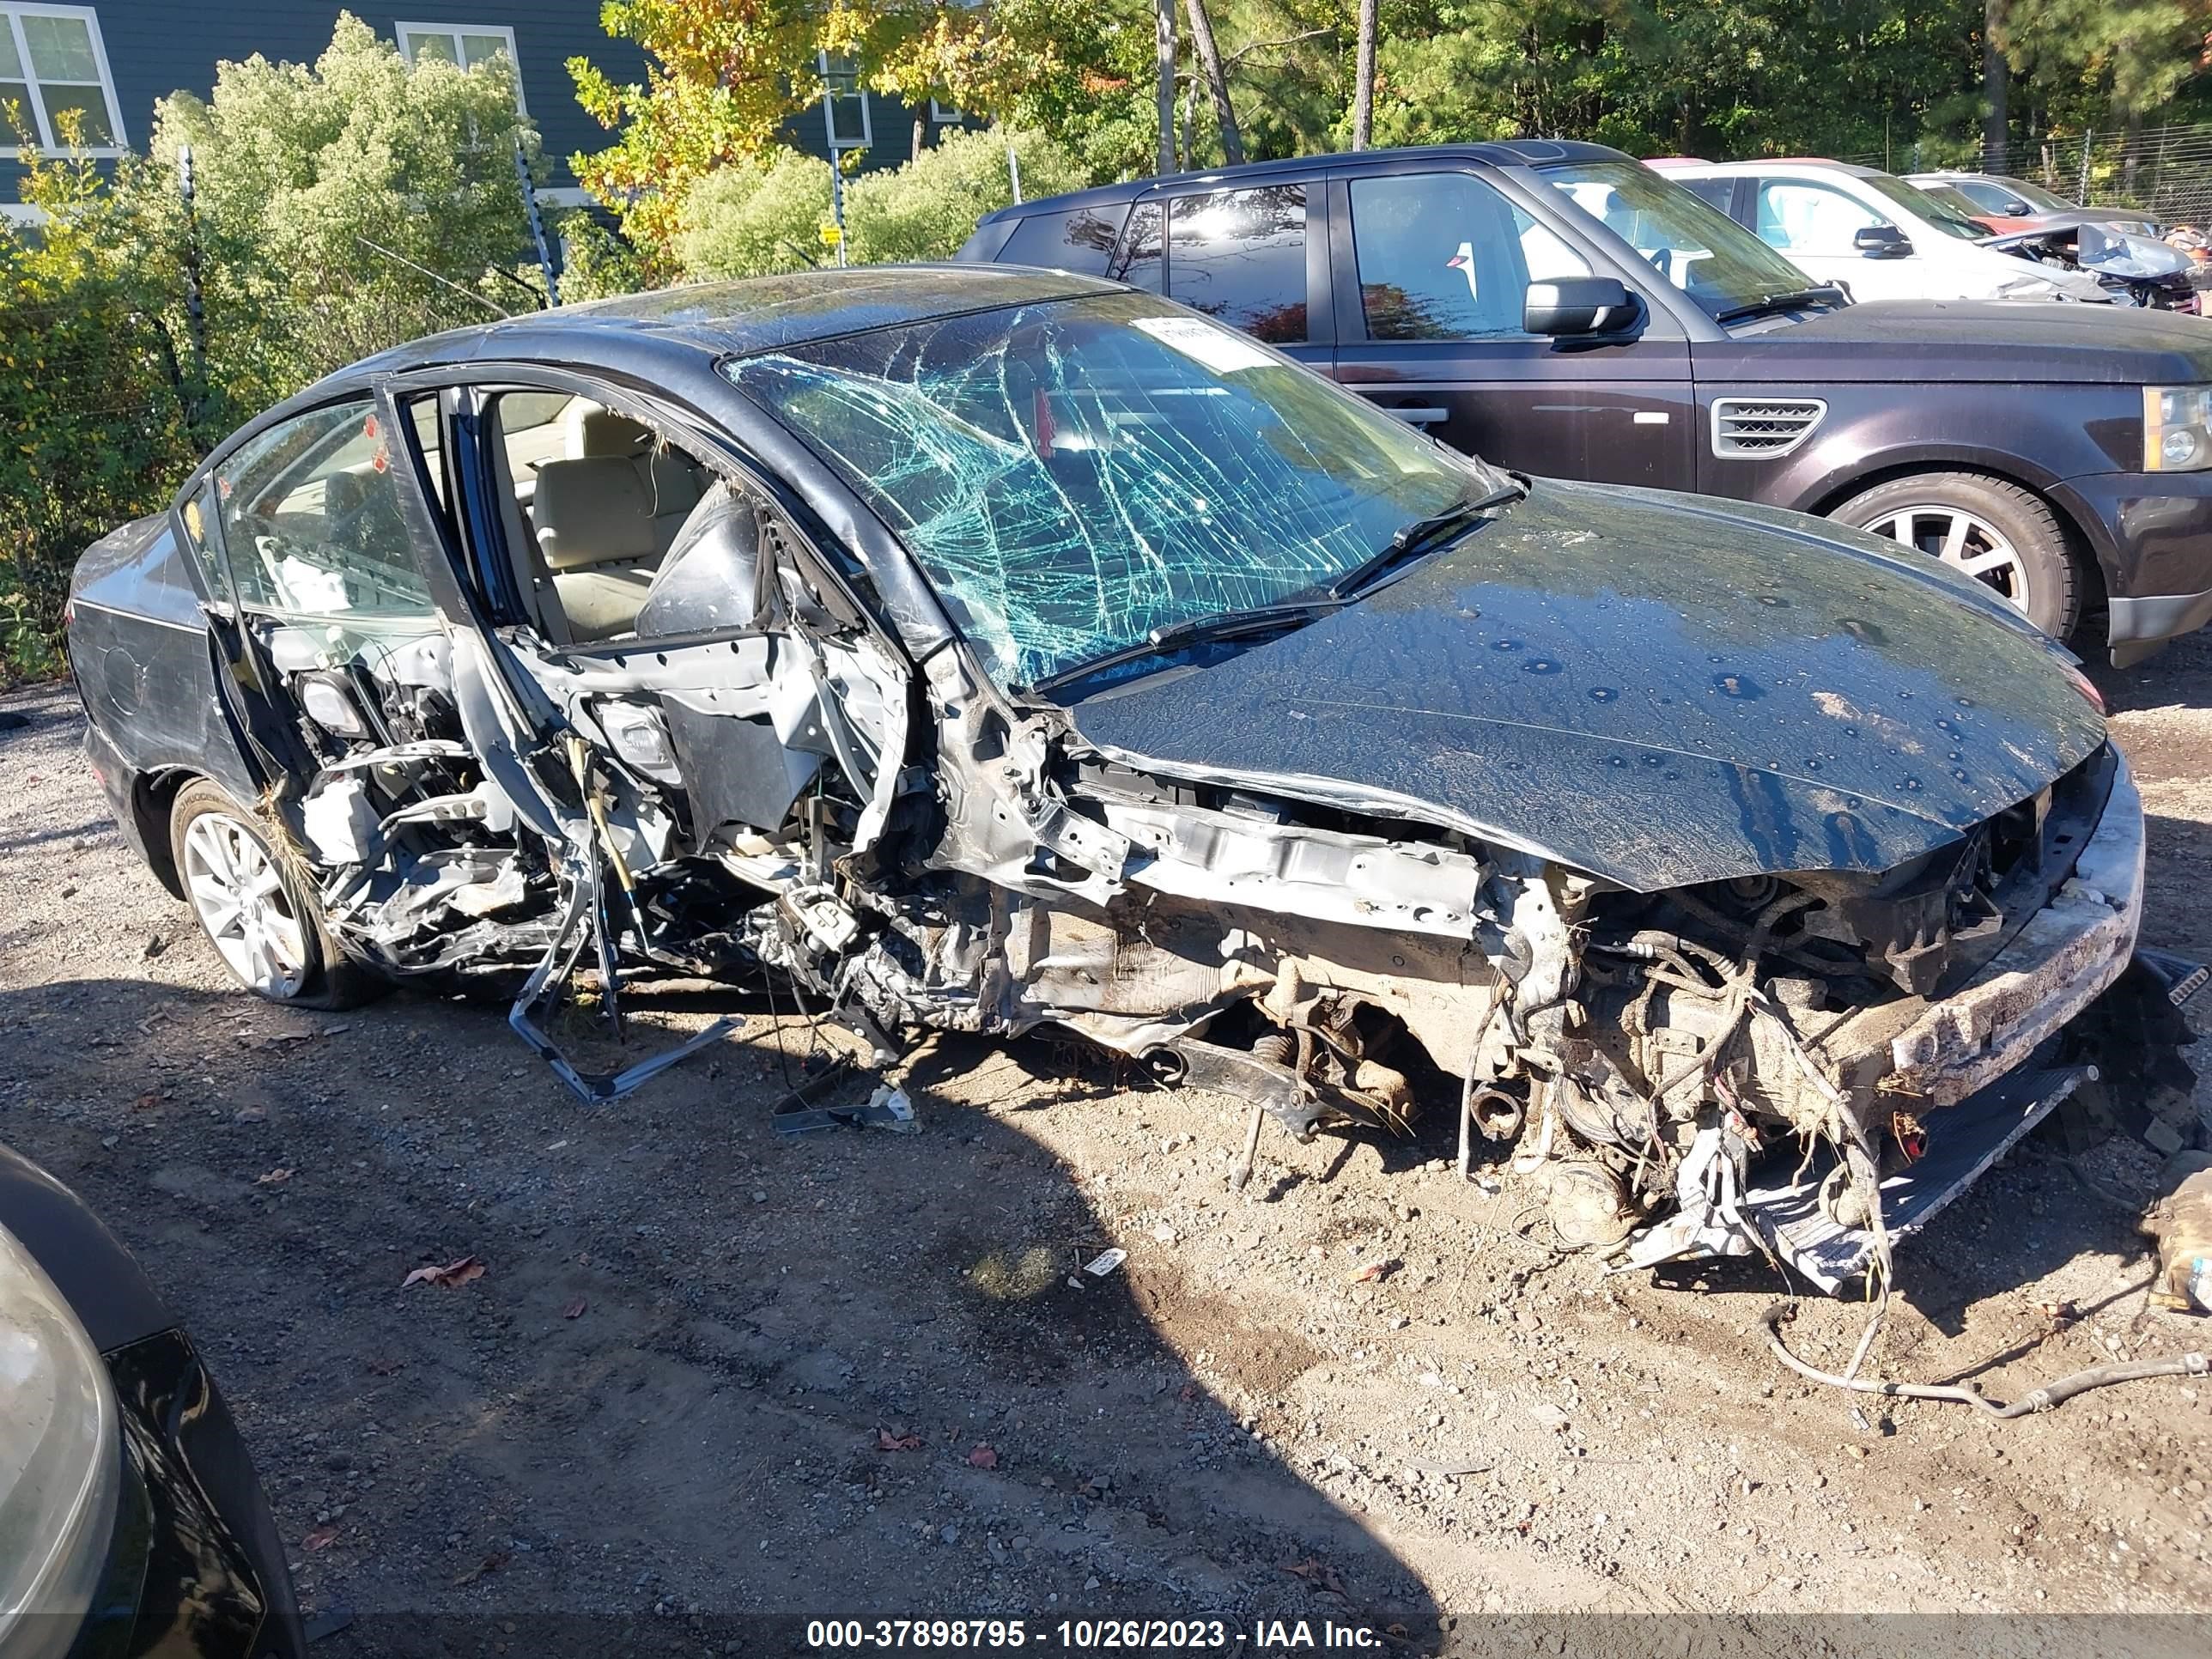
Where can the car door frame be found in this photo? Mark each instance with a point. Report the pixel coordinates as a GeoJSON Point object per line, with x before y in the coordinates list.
{"type": "Point", "coordinates": [513, 714]}
{"type": "Point", "coordinates": [266, 735]}
{"type": "Point", "coordinates": [1663, 397]}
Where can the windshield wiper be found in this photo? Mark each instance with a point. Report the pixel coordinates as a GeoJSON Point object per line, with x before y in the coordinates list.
{"type": "Point", "coordinates": [1196, 630]}
{"type": "Point", "coordinates": [1826, 294]}
{"type": "Point", "coordinates": [1422, 535]}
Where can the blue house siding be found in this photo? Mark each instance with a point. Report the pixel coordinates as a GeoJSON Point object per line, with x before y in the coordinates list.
{"type": "Point", "coordinates": [155, 47]}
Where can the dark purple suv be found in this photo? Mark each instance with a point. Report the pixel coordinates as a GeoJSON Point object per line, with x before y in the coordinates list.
{"type": "Point", "coordinates": [1562, 309]}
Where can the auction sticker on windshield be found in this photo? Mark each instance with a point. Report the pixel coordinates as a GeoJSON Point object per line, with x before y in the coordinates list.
{"type": "Point", "coordinates": [1208, 343]}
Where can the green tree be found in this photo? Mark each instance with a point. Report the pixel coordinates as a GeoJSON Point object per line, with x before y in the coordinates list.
{"type": "Point", "coordinates": [92, 387]}
{"type": "Point", "coordinates": [928, 207]}
{"type": "Point", "coordinates": [347, 205]}
{"type": "Point", "coordinates": [768, 215]}
{"type": "Point", "coordinates": [722, 77]}
{"type": "Point", "coordinates": [752, 217]}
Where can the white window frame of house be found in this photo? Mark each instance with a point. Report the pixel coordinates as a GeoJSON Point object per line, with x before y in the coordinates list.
{"type": "Point", "coordinates": [940, 116]}
{"type": "Point", "coordinates": [402, 31]}
{"type": "Point", "coordinates": [828, 67]}
{"type": "Point", "coordinates": [11, 16]}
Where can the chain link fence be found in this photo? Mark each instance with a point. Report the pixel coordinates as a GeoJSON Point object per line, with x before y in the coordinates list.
{"type": "Point", "coordinates": [2166, 173]}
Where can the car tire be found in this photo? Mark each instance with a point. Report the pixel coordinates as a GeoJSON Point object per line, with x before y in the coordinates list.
{"type": "Point", "coordinates": [264, 921]}
{"type": "Point", "coordinates": [2005, 536]}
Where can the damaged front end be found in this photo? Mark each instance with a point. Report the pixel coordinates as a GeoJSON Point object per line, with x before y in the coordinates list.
{"type": "Point", "coordinates": [1739, 880]}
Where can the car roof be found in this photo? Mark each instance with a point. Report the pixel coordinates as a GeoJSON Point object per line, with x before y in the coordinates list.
{"type": "Point", "coordinates": [1508, 152]}
{"type": "Point", "coordinates": [1766, 164]}
{"type": "Point", "coordinates": [761, 313]}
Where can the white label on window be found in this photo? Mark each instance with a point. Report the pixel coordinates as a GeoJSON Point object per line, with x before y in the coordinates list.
{"type": "Point", "coordinates": [1206, 343]}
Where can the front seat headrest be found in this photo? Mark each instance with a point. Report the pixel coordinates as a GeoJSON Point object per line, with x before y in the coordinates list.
{"type": "Point", "coordinates": [593, 511]}
{"type": "Point", "coordinates": [602, 432]}
{"type": "Point", "coordinates": [344, 494]}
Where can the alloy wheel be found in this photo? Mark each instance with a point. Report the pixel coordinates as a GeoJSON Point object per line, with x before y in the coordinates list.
{"type": "Point", "coordinates": [240, 896]}
{"type": "Point", "coordinates": [1961, 539]}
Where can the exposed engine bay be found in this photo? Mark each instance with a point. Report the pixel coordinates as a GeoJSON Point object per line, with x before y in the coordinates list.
{"type": "Point", "coordinates": [908, 849]}
{"type": "Point", "coordinates": [2130, 264]}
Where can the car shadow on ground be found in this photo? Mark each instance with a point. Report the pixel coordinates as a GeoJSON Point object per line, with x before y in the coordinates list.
{"type": "Point", "coordinates": [2178, 677]}
{"type": "Point", "coordinates": [710, 1374]}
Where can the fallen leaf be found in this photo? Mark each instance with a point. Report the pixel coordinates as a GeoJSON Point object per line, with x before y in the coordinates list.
{"type": "Point", "coordinates": [887, 1440]}
{"type": "Point", "coordinates": [982, 1458]}
{"type": "Point", "coordinates": [491, 1563]}
{"type": "Point", "coordinates": [275, 1177]}
{"type": "Point", "coordinates": [387, 1367]}
{"type": "Point", "coordinates": [321, 1539]}
{"type": "Point", "coordinates": [1373, 1270]}
{"type": "Point", "coordinates": [574, 1310]}
{"type": "Point", "coordinates": [1319, 1574]}
{"type": "Point", "coordinates": [453, 1274]}
{"type": "Point", "coordinates": [146, 1101]}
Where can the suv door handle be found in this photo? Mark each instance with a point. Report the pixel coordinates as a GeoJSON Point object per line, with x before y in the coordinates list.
{"type": "Point", "coordinates": [1418, 414]}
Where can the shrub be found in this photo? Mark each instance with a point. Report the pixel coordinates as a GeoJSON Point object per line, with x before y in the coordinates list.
{"type": "Point", "coordinates": [94, 389]}
{"type": "Point", "coordinates": [754, 218]}
{"type": "Point", "coordinates": [928, 207]}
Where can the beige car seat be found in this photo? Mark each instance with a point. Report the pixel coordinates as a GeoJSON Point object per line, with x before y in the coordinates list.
{"type": "Point", "coordinates": [596, 533]}
{"type": "Point", "coordinates": [672, 483]}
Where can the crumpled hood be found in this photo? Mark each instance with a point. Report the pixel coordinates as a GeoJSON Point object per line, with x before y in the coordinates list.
{"type": "Point", "coordinates": [1657, 688]}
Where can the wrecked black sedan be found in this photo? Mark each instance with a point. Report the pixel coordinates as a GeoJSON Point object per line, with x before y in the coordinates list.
{"type": "Point", "coordinates": [980, 649]}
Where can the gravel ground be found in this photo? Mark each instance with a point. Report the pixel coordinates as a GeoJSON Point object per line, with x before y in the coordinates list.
{"type": "Point", "coordinates": [711, 1372]}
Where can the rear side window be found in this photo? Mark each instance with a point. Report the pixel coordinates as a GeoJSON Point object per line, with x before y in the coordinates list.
{"type": "Point", "coordinates": [1081, 238]}
{"type": "Point", "coordinates": [1140, 260]}
{"type": "Point", "coordinates": [313, 520]}
{"type": "Point", "coordinates": [1797, 217]}
{"type": "Point", "coordinates": [1715, 192]}
{"type": "Point", "coordinates": [1240, 256]}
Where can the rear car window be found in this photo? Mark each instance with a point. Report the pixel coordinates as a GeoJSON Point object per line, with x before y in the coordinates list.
{"type": "Point", "coordinates": [1240, 256]}
{"type": "Point", "coordinates": [1142, 264]}
{"type": "Point", "coordinates": [1081, 239]}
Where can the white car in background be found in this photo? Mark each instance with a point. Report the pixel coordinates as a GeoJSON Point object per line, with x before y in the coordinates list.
{"type": "Point", "coordinates": [1884, 239]}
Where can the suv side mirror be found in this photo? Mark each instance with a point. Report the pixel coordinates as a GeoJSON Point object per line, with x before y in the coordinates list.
{"type": "Point", "coordinates": [1578, 304]}
{"type": "Point", "coordinates": [1882, 242]}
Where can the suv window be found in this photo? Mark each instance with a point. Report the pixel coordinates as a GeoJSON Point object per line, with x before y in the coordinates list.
{"type": "Point", "coordinates": [1240, 255]}
{"type": "Point", "coordinates": [1715, 192]}
{"type": "Point", "coordinates": [1442, 256]}
{"type": "Point", "coordinates": [1081, 238]}
{"type": "Point", "coordinates": [313, 522]}
{"type": "Point", "coordinates": [1798, 217]}
{"type": "Point", "coordinates": [1140, 263]}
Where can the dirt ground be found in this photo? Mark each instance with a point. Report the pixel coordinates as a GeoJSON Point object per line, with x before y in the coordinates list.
{"type": "Point", "coordinates": [711, 1373]}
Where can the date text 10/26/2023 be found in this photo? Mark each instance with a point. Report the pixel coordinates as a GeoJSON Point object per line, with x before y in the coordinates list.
{"type": "Point", "coordinates": [1266, 1636]}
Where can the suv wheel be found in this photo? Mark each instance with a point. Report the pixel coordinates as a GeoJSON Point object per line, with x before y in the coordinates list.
{"type": "Point", "coordinates": [263, 923]}
{"type": "Point", "coordinates": [2003, 536]}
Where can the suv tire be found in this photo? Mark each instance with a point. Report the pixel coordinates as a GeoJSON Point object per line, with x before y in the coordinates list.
{"type": "Point", "coordinates": [264, 921]}
{"type": "Point", "coordinates": [2006, 536]}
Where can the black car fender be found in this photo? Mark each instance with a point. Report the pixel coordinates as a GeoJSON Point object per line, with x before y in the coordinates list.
{"type": "Point", "coordinates": [1869, 435]}
{"type": "Point", "coordinates": [88, 1263]}
{"type": "Point", "coordinates": [195, 1471]}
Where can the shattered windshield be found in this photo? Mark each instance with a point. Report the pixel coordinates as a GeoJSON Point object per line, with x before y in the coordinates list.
{"type": "Point", "coordinates": [1076, 475]}
{"type": "Point", "coordinates": [1687, 241]}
